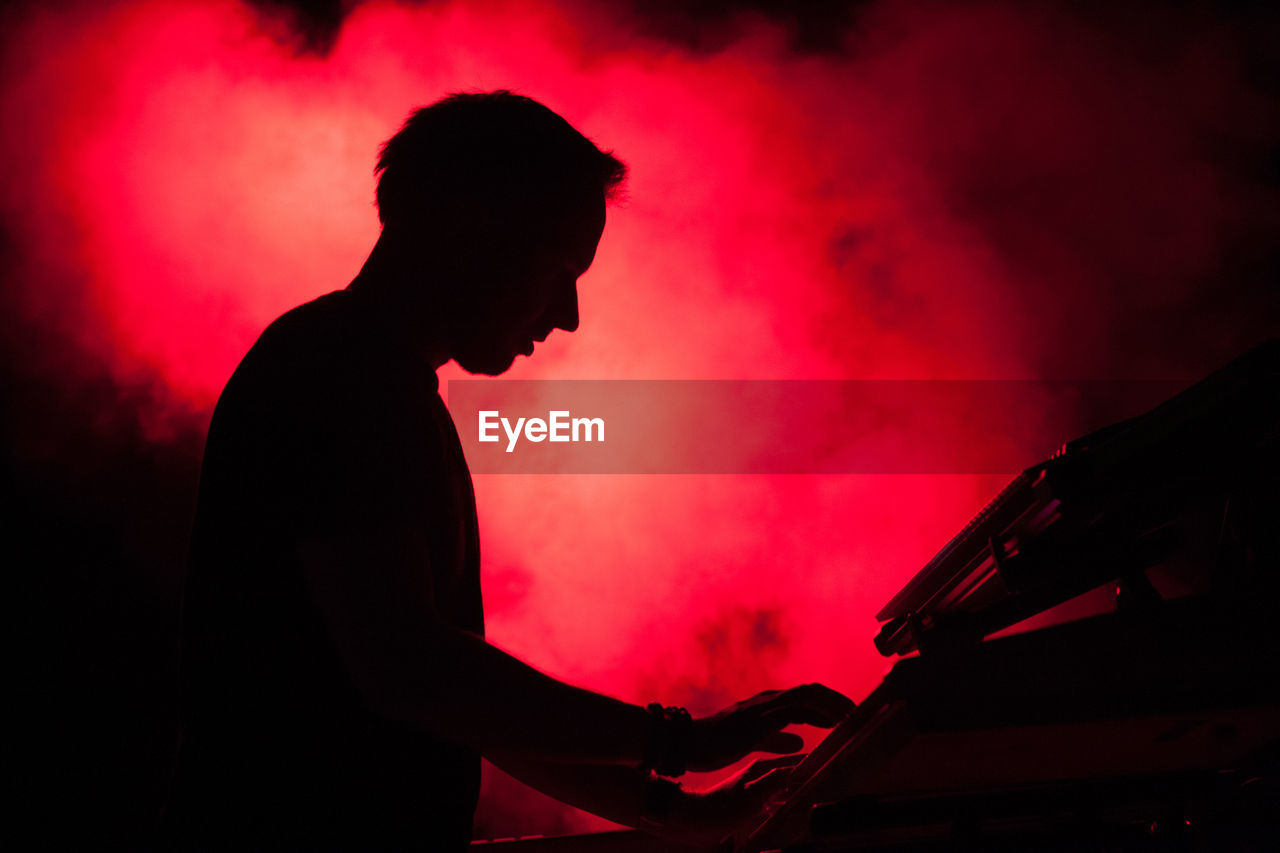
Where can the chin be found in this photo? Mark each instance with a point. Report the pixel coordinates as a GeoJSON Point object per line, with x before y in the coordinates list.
{"type": "Point", "coordinates": [485, 364]}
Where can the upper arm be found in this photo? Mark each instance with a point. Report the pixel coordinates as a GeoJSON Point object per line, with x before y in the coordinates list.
{"type": "Point", "coordinates": [373, 600]}
{"type": "Point", "coordinates": [365, 506]}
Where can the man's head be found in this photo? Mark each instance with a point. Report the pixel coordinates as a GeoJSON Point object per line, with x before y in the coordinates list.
{"type": "Point", "coordinates": [499, 202]}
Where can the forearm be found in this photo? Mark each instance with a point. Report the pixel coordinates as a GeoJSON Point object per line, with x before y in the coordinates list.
{"type": "Point", "coordinates": [409, 665]}
{"type": "Point", "coordinates": [625, 795]}
{"type": "Point", "coordinates": [614, 792]}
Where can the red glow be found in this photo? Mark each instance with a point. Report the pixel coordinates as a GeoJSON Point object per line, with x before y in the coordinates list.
{"type": "Point", "coordinates": [958, 201]}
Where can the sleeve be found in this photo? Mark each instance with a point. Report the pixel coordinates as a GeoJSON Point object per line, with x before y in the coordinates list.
{"type": "Point", "coordinates": [364, 454]}
{"type": "Point", "coordinates": [365, 492]}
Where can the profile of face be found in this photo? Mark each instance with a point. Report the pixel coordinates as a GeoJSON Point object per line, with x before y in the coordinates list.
{"type": "Point", "coordinates": [524, 286]}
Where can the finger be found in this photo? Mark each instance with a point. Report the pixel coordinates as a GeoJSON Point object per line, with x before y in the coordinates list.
{"type": "Point", "coordinates": [762, 699]}
{"type": "Point", "coordinates": [769, 784]}
{"type": "Point", "coordinates": [780, 743]}
{"type": "Point", "coordinates": [782, 760]}
{"type": "Point", "coordinates": [787, 715]}
{"type": "Point", "coordinates": [814, 704]}
{"type": "Point", "coordinates": [767, 765]}
{"type": "Point", "coordinates": [823, 700]}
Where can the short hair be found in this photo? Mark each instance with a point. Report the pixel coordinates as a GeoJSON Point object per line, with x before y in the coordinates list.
{"type": "Point", "coordinates": [496, 146]}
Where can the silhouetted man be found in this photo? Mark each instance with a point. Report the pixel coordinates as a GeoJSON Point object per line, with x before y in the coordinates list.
{"type": "Point", "coordinates": [339, 692]}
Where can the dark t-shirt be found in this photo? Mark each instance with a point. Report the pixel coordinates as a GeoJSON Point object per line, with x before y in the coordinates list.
{"type": "Point", "coordinates": [326, 428]}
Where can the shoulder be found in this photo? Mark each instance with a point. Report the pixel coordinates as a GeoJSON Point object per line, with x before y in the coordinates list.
{"type": "Point", "coordinates": [320, 369]}
{"type": "Point", "coordinates": [328, 351]}
{"type": "Point", "coordinates": [308, 337]}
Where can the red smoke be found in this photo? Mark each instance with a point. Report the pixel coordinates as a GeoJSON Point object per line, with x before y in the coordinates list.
{"type": "Point", "coordinates": [977, 191]}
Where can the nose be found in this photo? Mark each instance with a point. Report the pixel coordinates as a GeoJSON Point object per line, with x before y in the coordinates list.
{"type": "Point", "coordinates": [565, 311]}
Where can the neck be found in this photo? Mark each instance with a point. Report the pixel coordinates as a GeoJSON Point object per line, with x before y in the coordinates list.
{"type": "Point", "coordinates": [402, 302]}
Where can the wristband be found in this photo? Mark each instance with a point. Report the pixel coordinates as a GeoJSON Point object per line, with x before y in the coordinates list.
{"type": "Point", "coordinates": [666, 748]}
